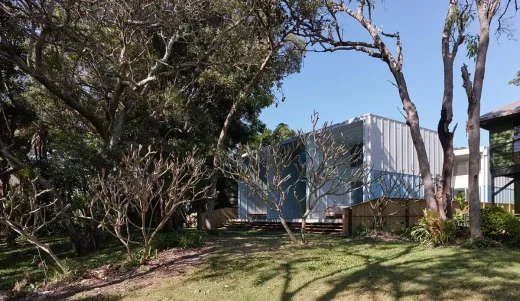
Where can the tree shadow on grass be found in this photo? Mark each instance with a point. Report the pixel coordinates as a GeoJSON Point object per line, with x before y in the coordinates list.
{"type": "Point", "coordinates": [437, 277]}
{"type": "Point", "coordinates": [374, 270]}
{"type": "Point", "coordinates": [101, 297]}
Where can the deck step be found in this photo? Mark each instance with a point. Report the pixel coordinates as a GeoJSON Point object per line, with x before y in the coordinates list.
{"type": "Point", "coordinates": [320, 228]}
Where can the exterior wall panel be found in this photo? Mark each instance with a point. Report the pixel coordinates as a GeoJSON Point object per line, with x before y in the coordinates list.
{"type": "Point", "coordinates": [501, 133]}
{"type": "Point", "coordinates": [391, 147]}
{"type": "Point", "coordinates": [388, 148]}
{"type": "Point", "coordinates": [352, 133]}
{"type": "Point", "coordinates": [291, 207]}
{"type": "Point", "coordinates": [460, 178]}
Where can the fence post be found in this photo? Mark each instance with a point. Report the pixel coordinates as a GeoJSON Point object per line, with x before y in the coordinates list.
{"type": "Point", "coordinates": [407, 214]}
{"type": "Point", "coordinates": [347, 221]}
{"type": "Point", "coordinates": [344, 229]}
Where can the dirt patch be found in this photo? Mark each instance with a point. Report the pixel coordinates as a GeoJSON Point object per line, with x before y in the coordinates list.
{"type": "Point", "coordinates": [108, 283]}
{"type": "Point", "coordinates": [382, 236]}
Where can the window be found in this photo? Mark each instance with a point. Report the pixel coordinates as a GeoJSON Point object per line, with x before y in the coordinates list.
{"type": "Point", "coordinates": [461, 168]}
{"type": "Point", "coordinates": [357, 193]}
{"type": "Point", "coordinates": [356, 155]}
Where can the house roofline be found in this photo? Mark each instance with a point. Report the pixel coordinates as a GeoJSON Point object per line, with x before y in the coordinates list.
{"type": "Point", "coordinates": [465, 151]}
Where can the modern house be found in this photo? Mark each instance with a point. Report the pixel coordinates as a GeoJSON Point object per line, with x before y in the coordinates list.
{"type": "Point", "coordinates": [503, 194]}
{"type": "Point", "coordinates": [503, 125]}
{"type": "Point", "coordinates": [387, 148]}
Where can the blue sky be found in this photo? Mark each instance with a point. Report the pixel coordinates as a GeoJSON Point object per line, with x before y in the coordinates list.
{"type": "Point", "coordinates": [347, 84]}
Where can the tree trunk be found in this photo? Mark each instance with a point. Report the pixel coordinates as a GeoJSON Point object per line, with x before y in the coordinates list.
{"type": "Point", "coordinates": [447, 172]}
{"type": "Point", "coordinates": [485, 11]}
{"type": "Point", "coordinates": [82, 243]}
{"type": "Point", "coordinates": [176, 221]}
{"type": "Point", "coordinates": [473, 129]}
{"type": "Point", "coordinates": [302, 230]}
{"type": "Point", "coordinates": [124, 242]}
{"type": "Point", "coordinates": [286, 227]}
{"type": "Point", "coordinates": [32, 239]}
{"type": "Point", "coordinates": [439, 195]}
{"type": "Point", "coordinates": [412, 120]}
{"type": "Point", "coordinates": [210, 205]}
{"type": "Point", "coordinates": [444, 196]}
{"type": "Point", "coordinates": [10, 237]}
{"type": "Point", "coordinates": [146, 252]}
{"type": "Point", "coordinates": [446, 140]}
{"type": "Point", "coordinates": [412, 117]}
{"type": "Point", "coordinates": [199, 220]}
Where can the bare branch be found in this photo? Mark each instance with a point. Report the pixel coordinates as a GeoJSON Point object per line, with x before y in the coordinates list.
{"type": "Point", "coordinates": [144, 182]}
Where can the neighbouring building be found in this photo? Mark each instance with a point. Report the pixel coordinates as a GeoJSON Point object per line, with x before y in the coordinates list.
{"type": "Point", "coordinates": [504, 194]}
{"type": "Point", "coordinates": [387, 148]}
{"type": "Point", "coordinates": [503, 125]}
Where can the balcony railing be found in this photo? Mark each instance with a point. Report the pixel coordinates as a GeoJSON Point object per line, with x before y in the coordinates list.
{"type": "Point", "coordinates": [504, 155]}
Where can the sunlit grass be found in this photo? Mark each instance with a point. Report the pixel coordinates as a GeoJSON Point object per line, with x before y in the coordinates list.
{"type": "Point", "coordinates": [249, 265]}
{"type": "Point", "coordinates": [264, 267]}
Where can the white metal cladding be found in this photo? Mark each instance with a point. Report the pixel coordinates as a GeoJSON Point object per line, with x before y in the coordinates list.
{"type": "Point", "coordinates": [389, 146]}
{"type": "Point", "coordinates": [507, 195]}
{"type": "Point", "coordinates": [460, 177]}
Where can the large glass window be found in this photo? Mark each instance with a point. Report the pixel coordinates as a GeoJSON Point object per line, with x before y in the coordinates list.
{"type": "Point", "coordinates": [356, 154]}
{"type": "Point", "coordinates": [357, 193]}
{"type": "Point", "coordinates": [461, 168]}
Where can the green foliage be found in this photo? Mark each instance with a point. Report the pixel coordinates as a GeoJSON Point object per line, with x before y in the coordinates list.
{"type": "Point", "coordinates": [515, 81]}
{"type": "Point", "coordinates": [188, 240]}
{"type": "Point", "coordinates": [279, 134]}
{"type": "Point", "coordinates": [461, 216]}
{"type": "Point", "coordinates": [178, 239]}
{"type": "Point", "coordinates": [406, 233]}
{"type": "Point", "coordinates": [432, 230]}
{"type": "Point", "coordinates": [482, 243]}
{"type": "Point", "coordinates": [460, 197]}
{"type": "Point", "coordinates": [500, 225]}
{"type": "Point", "coordinates": [213, 65]}
{"type": "Point", "coordinates": [472, 45]}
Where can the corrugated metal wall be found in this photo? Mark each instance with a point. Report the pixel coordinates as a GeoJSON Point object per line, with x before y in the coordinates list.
{"type": "Point", "coordinates": [390, 146]}
{"type": "Point", "coordinates": [291, 207]}
{"type": "Point", "coordinates": [393, 185]}
{"type": "Point", "coordinates": [506, 196]}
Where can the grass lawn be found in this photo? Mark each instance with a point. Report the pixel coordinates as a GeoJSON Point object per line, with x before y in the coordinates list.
{"type": "Point", "coordinates": [262, 267]}
{"type": "Point", "coordinates": [246, 265]}
{"type": "Point", "coordinates": [15, 262]}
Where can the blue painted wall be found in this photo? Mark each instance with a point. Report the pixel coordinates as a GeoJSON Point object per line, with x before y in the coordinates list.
{"type": "Point", "coordinates": [410, 187]}
{"type": "Point", "coordinates": [393, 185]}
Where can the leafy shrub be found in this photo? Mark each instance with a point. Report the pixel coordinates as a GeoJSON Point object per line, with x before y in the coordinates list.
{"type": "Point", "coordinates": [190, 240]}
{"type": "Point", "coordinates": [178, 239]}
{"type": "Point", "coordinates": [406, 233]}
{"type": "Point", "coordinates": [483, 243]}
{"type": "Point", "coordinates": [500, 225]}
{"type": "Point", "coordinates": [460, 197]}
{"type": "Point", "coordinates": [432, 230]}
{"type": "Point", "coordinates": [461, 215]}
